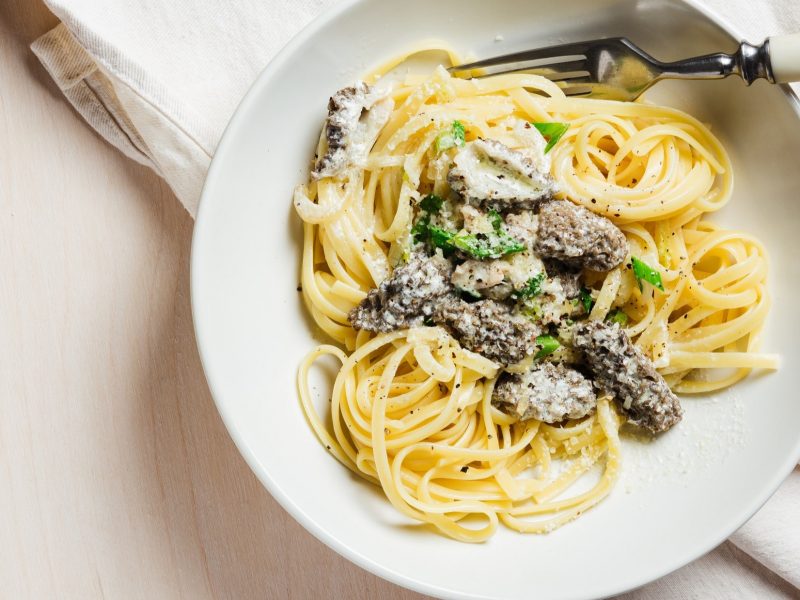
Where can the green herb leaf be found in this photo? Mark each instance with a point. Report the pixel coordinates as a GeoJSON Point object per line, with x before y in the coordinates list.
{"type": "Point", "coordinates": [586, 299]}
{"type": "Point", "coordinates": [532, 288]}
{"type": "Point", "coordinates": [644, 272]}
{"type": "Point", "coordinates": [483, 246]}
{"type": "Point", "coordinates": [440, 238]}
{"type": "Point", "coordinates": [459, 133]}
{"type": "Point", "coordinates": [431, 203]}
{"type": "Point", "coordinates": [452, 137]}
{"type": "Point", "coordinates": [617, 316]}
{"type": "Point", "coordinates": [420, 231]}
{"type": "Point", "coordinates": [496, 244]}
{"type": "Point", "coordinates": [552, 131]}
{"type": "Point", "coordinates": [547, 345]}
{"type": "Point", "coordinates": [480, 246]}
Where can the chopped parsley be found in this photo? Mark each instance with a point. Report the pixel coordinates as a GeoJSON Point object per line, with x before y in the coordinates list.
{"type": "Point", "coordinates": [441, 238]}
{"type": "Point", "coordinates": [480, 245]}
{"type": "Point", "coordinates": [617, 316]}
{"type": "Point", "coordinates": [496, 244]}
{"type": "Point", "coordinates": [552, 131]}
{"type": "Point", "coordinates": [586, 300]}
{"type": "Point", "coordinates": [429, 205]}
{"type": "Point", "coordinates": [420, 229]}
{"type": "Point", "coordinates": [454, 136]}
{"type": "Point", "coordinates": [547, 345]}
{"type": "Point", "coordinates": [644, 272]}
{"type": "Point", "coordinates": [532, 288]}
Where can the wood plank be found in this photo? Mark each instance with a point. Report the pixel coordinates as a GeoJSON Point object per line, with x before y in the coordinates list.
{"type": "Point", "coordinates": [117, 477]}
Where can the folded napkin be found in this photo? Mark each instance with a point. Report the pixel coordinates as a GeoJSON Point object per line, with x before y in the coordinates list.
{"type": "Point", "coordinates": [159, 80]}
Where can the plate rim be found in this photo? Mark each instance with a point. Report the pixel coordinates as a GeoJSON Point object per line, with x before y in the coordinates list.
{"type": "Point", "coordinates": [316, 529]}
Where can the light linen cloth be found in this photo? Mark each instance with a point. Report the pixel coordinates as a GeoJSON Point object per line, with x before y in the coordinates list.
{"type": "Point", "coordinates": [159, 80]}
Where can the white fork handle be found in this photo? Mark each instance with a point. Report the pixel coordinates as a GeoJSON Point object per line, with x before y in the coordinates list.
{"type": "Point", "coordinates": [784, 56]}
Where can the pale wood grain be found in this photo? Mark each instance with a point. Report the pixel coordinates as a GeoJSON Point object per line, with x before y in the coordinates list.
{"type": "Point", "coordinates": [117, 477]}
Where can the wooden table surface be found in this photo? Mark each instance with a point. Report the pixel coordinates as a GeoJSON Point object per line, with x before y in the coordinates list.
{"type": "Point", "coordinates": [117, 476]}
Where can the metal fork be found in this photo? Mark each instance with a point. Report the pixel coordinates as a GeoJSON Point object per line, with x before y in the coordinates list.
{"type": "Point", "coordinates": [617, 69]}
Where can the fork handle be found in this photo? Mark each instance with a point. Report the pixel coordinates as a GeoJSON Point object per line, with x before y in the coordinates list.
{"type": "Point", "coordinates": [784, 57]}
{"type": "Point", "coordinates": [777, 60]}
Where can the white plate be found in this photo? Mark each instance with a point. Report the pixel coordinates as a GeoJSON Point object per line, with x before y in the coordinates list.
{"type": "Point", "coordinates": [678, 497]}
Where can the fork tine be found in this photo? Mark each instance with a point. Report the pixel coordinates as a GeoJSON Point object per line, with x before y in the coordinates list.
{"type": "Point", "coordinates": [550, 70]}
{"type": "Point", "coordinates": [554, 52]}
{"type": "Point", "coordinates": [577, 90]}
{"type": "Point", "coordinates": [571, 66]}
{"type": "Point", "coordinates": [574, 80]}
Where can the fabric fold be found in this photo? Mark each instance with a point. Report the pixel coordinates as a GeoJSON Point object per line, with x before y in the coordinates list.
{"type": "Point", "coordinates": [90, 91]}
{"type": "Point", "coordinates": [772, 536]}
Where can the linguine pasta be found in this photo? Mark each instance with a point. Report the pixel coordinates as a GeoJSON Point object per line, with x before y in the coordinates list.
{"type": "Point", "coordinates": [411, 409]}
